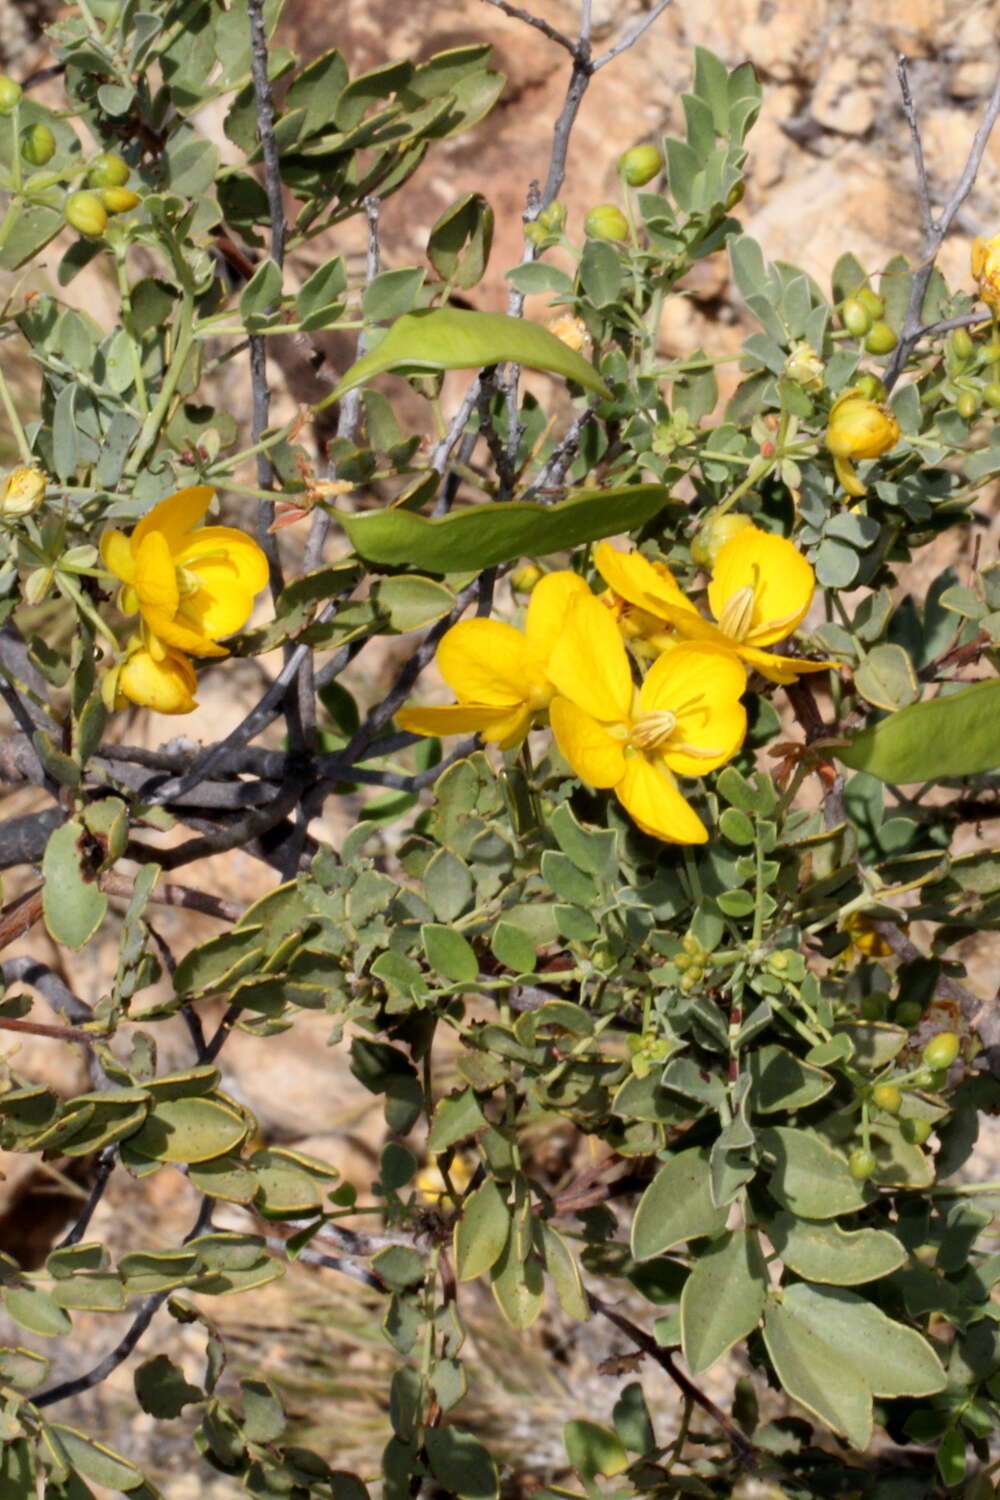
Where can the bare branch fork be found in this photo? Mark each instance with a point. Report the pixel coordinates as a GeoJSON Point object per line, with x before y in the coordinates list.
{"type": "Point", "coordinates": [935, 229]}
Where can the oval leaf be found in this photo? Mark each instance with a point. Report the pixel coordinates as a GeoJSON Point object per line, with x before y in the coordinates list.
{"type": "Point", "coordinates": [676, 1206]}
{"type": "Point", "coordinates": [723, 1298]}
{"type": "Point", "coordinates": [953, 735]}
{"type": "Point", "coordinates": [188, 1130]}
{"type": "Point", "coordinates": [485, 535]}
{"type": "Point", "coordinates": [481, 1233]}
{"type": "Point", "coordinates": [892, 1359]}
{"type": "Point", "coordinates": [74, 905]}
{"type": "Point", "coordinates": [809, 1177]}
{"type": "Point", "coordinates": [827, 1253]}
{"type": "Point", "coordinates": [94, 1461]}
{"type": "Point", "coordinates": [817, 1376]}
{"type": "Point", "coordinates": [455, 338]}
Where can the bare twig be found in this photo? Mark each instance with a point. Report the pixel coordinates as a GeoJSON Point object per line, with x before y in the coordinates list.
{"type": "Point", "coordinates": [39, 1028]}
{"type": "Point", "coordinates": [631, 35]}
{"type": "Point", "coordinates": [556, 465]}
{"type": "Point", "coordinates": [515, 11]}
{"type": "Point", "coordinates": [105, 1166]}
{"type": "Point", "coordinates": [23, 840]}
{"type": "Point", "coordinates": [923, 186]}
{"type": "Point", "coordinates": [170, 894]}
{"type": "Point", "coordinates": [47, 982]}
{"type": "Point", "coordinates": [936, 228]}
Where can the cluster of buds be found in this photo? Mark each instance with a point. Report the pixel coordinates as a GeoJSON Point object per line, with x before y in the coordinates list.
{"type": "Point", "coordinates": [863, 315]}
{"type": "Point", "coordinates": [692, 962]}
{"type": "Point", "coordinates": [87, 210]}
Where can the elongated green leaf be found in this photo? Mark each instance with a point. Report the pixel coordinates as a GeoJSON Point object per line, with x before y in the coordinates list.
{"type": "Point", "coordinates": [94, 1461]}
{"type": "Point", "coordinates": [827, 1253]}
{"type": "Point", "coordinates": [188, 1130]}
{"type": "Point", "coordinates": [676, 1206]}
{"type": "Point", "coordinates": [481, 1233]}
{"type": "Point", "coordinates": [816, 1375]}
{"type": "Point", "coordinates": [894, 1360]}
{"type": "Point", "coordinates": [953, 735]}
{"type": "Point", "coordinates": [455, 338]}
{"type": "Point", "coordinates": [722, 1298]}
{"type": "Point", "coordinates": [486, 535]}
{"type": "Point", "coordinates": [74, 904]}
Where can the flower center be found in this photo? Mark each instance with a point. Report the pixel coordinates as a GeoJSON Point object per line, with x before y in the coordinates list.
{"type": "Point", "coordinates": [653, 730]}
{"type": "Point", "coordinates": [188, 583]}
{"type": "Point", "coordinates": [737, 616]}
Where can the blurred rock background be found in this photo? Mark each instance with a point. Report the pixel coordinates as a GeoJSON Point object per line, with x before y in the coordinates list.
{"type": "Point", "coordinates": [830, 169]}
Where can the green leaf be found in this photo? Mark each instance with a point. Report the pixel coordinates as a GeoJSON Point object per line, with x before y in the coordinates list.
{"type": "Point", "coordinates": [723, 1298]}
{"type": "Point", "coordinates": [816, 1375]}
{"type": "Point", "coordinates": [809, 1177]}
{"type": "Point", "coordinates": [827, 1253]}
{"type": "Point", "coordinates": [162, 1389]}
{"type": "Point", "coordinates": [594, 1450]}
{"type": "Point", "coordinates": [261, 293]}
{"type": "Point", "coordinates": [561, 1264]}
{"type": "Point", "coordinates": [74, 905]}
{"type": "Point", "coordinates": [94, 1461]}
{"type": "Point", "coordinates": [188, 1130]}
{"type": "Point", "coordinates": [601, 273]}
{"type": "Point", "coordinates": [459, 244]}
{"type": "Point", "coordinates": [954, 734]}
{"type": "Point", "coordinates": [36, 1310]}
{"type": "Point", "coordinates": [390, 295]}
{"type": "Point", "coordinates": [484, 535]}
{"type": "Point", "coordinates": [676, 1206]}
{"type": "Point", "coordinates": [411, 601]}
{"type": "Point", "coordinates": [460, 1464]}
{"type": "Point", "coordinates": [779, 1080]}
{"type": "Point", "coordinates": [453, 338]}
{"type": "Point", "coordinates": [513, 948]}
{"type": "Point", "coordinates": [894, 1360]}
{"type": "Point", "coordinates": [481, 1233]}
{"type": "Point", "coordinates": [538, 276]}
{"type": "Point", "coordinates": [456, 1117]}
{"type": "Point", "coordinates": [517, 1282]}
{"type": "Point", "coordinates": [886, 678]}
{"type": "Point", "coordinates": [449, 953]}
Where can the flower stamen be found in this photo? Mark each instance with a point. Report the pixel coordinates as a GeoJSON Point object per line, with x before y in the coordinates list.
{"type": "Point", "coordinates": [653, 730]}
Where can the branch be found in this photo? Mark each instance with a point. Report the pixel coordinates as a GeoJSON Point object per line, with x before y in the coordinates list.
{"type": "Point", "coordinates": [23, 840]}
{"type": "Point", "coordinates": [631, 35]}
{"type": "Point", "coordinates": [909, 110]}
{"type": "Point", "coordinates": [47, 982]}
{"type": "Point", "coordinates": [170, 894]}
{"type": "Point", "coordinates": [935, 229]}
{"type": "Point", "coordinates": [515, 11]}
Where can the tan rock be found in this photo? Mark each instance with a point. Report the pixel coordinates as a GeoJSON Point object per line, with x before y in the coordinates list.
{"type": "Point", "coordinates": [839, 103]}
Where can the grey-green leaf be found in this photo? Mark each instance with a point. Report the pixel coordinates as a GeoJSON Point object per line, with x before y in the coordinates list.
{"type": "Point", "coordinates": [809, 1177]}
{"type": "Point", "coordinates": [676, 1206]}
{"type": "Point", "coordinates": [827, 1253]}
{"type": "Point", "coordinates": [723, 1298]}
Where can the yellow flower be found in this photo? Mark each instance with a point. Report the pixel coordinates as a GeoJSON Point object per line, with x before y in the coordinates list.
{"type": "Point", "coordinates": [497, 673]}
{"type": "Point", "coordinates": [686, 718]}
{"type": "Point", "coordinates": [858, 428]}
{"type": "Point", "coordinates": [164, 683]}
{"type": "Point", "coordinates": [636, 587]}
{"type": "Point", "coordinates": [864, 936]}
{"type": "Point", "coordinates": [986, 268]}
{"type": "Point", "coordinates": [23, 492]}
{"type": "Point", "coordinates": [192, 584]}
{"type": "Point", "coordinates": [760, 590]}
{"type": "Point", "coordinates": [572, 332]}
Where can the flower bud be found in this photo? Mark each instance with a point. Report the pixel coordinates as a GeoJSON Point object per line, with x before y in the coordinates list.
{"type": "Point", "coordinates": [804, 366]}
{"type": "Point", "coordinates": [553, 218]}
{"type": "Point", "coordinates": [881, 339]}
{"type": "Point", "coordinates": [855, 317]}
{"type": "Point", "coordinates": [860, 428]}
{"type": "Point", "coordinates": [606, 222]}
{"type": "Point", "coordinates": [10, 94]}
{"type": "Point", "coordinates": [991, 394]}
{"type": "Point", "coordinates": [118, 200]}
{"type": "Point", "coordinates": [108, 170]}
{"type": "Point", "coordinates": [961, 345]}
{"type": "Point", "coordinates": [870, 386]}
{"type": "Point", "coordinates": [570, 331]}
{"type": "Point", "coordinates": [38, 145]}
{"type": "Point", "coordinates": [640, 165]}
{"type": "Point", "coordinates": [967, 405]}
{"type": "Point", "coordinates": [523, 579]}
{"type": "Point", "coordinates": [23, 492]}
{"type": "Point", "coordinates": [713, 534]}
{"type": "Point", "coordinates": [873, 304]}
{"type": "Point", "coordinates": [985, 260]}
{"type": "Point", "coordinates": [85, 212]}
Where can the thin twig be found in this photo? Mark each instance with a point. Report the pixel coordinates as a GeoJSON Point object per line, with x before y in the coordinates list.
{"type": "Point", "coordinates": [909, 110]}
{"type": "Point", "coordinates": [170, 894]}
{"type": "Point", "coordinates": [39, 1028]}
{"type": "Point", "coordinates": [631, 35]}
{"type": "Point", "coordinates": [102, 1175]}
{"type": "Point", "coordinates": [516, 12]}
{"type": "Point", "coordinates": [556, 465]}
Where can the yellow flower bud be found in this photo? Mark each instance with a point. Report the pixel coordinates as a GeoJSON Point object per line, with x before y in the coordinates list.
{"type": "Point", "coordinates": [606, 222]}
{"type": "Point", "coordinates": [523, 579]}
{"type": "Point", "coordinates": [860, 428]}
{"type": "Point", "coordinates": [23, 492]}
{"type": "Point", "coordinates": [804, 366]}
{"type": "Point", "coordinates": [86, 213]}
{"type": "Point", "coordinates": [986, 268]}
{"type": "Point", "coordinates": [640, 165]}
{"type": "Point", "coordinates": [572, 332]}
{"type": "Point", "coordinates": [118, 200]}
{"type": "Point", "coordinates": [712, 536]}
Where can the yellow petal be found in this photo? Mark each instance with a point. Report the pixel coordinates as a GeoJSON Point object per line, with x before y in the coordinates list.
{"type": "Point", "coordinates": [783, 669]}
{"type": "Point", "coordinates": [646, 585]}
{"type": "Point", "coordinates": [116, 554]}
{"type": "Point", "coordinates": [155, 574]}
{"type": "Point", "coordinates": [165, 686]}
{"type": "Point", "coordinates": [848, 476]}
{"type": "Point", "coordinates": [701, 686]}
{"type": "Point", "coordinates": [175, 516]}
{"type": "Point", "coordinates": [224, 544]}
{"type": "Point", "coordinates": [781, 579]}
{"type": "Point", "coordinates": [220, 606]}
{"type": "Point", "coordinates": [596, 756]}
{"type": "Point", "coordinates": [649, 795]}
{"type": "Point", "coordinates": [456, 718]}
{"type": "Point", "coordinates": [173, 632]}
{"type": "Point", "coordinates": [550, 600]}
{"type": "Point", "coordinates": [589, 664]}
{"type": "Point", "coordinates": [488, 662]}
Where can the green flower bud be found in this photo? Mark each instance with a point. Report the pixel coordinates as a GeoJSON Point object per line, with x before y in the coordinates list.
{"type": "Point", "coordinates": [10, 94]}
{"type": "Point", "coordinates": [855, 316]}
{"type": "Point", "coordinates": [881, 339]}
{"type": "Point", "coordinates": [916, 1131]}
{"type": "Point", "coordinates": [553, 218]}
{"type": "Point", "coordinates": [942, 1050]}
{"type": "Point", "coordinates": [873, 1007]}
{"type": "Point", "coordinates": [888, 1097]}
{"type": "Point", "coordinates": [713, 534]}
{"type": "Point", "coordinates": [108, 171]}
{"type": "Point", "coordinates": [640, 165]}
{"type": "Point", "coordinates": [606, 222]}
{"type": "Point", "coordinates": [861, 1163]}
{"type": "Point", "coordinates": [524, 579]}
{"type": "Point", "coordinates": [871, 387]}
{"type": "Point", "coordinates": [871, 302]}
{"type": "Point", "coordinates": [967, 405]}
{"type": "Point", "coordinates": [908, 1013]}
{"type": "Point", "coordinates": [961, 345]}
{"type": "Point", "coordinates": [991, 394]}
{"type": "Point", "coordinates": [38, 145]}
{"type": "Point", "coordinates": [85, 212]}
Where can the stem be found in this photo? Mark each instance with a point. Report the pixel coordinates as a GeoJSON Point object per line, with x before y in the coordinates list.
{"type": "Point", "coordinates": [125, 293]}
{"type": "Point", "coordinates": [151, 427]}
{"type": "Point", "coordinates": [16, 427]}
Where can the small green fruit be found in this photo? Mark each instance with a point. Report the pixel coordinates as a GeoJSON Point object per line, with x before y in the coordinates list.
{"type": "Point", "coordinates": [888, 1097]}
{"type": "Point", "coordinates": [881, 339]}
{"type": "Point", "coordinates": [108, 171]}
{"type": "Point", "coordinates": [967, 405]}
{"type": "Point", "coordinates": [872, 303]}
{"type": "Point", "coordinates": [640, 165]}
{"type": "Point", "coordinates": [942, 1050]}
{"type": "Point", "coordinates": [118, 200]}
{"type": "Point", "coordinates": [991, 394]}
{"type": "Point", "coordinates": [10, 94]}
{"type": "Point", "coordinates": [38, 145]}
{"type": "Point", "coordinates": [713, 534]}
{"type": "Point", "coordinates": [961, 345]}
{"type": "Point", "coordinates": [873, 1007]}
{"type": "Point", "coordinates": [606, 222]}
{"type": "Point", "coordinates": [916, 1131]}
{"type": "Point", "coordinates": [855, 317]}
{"type": "Point", "coordinates": [861, 1163]}
{"type": "Point", "coordinates": [85, 212]}
{"type": "Point", "coordinates": [908, 1013]}
{"type": "Point", "coordinates": [871, 387]}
